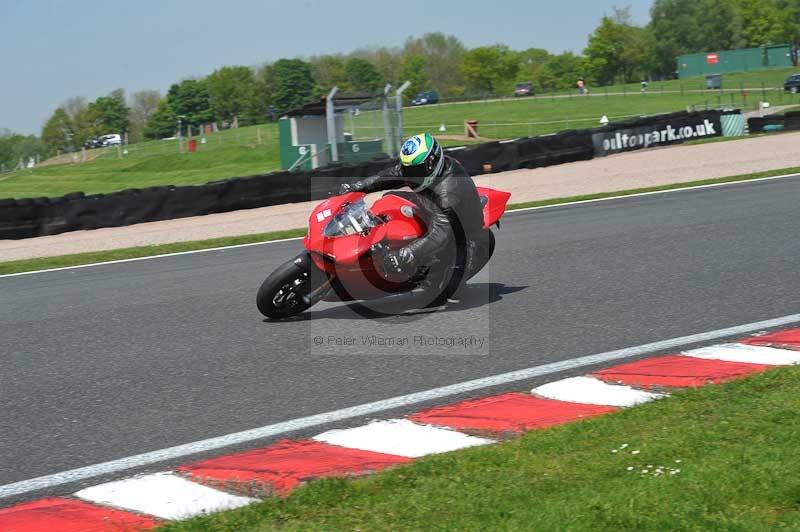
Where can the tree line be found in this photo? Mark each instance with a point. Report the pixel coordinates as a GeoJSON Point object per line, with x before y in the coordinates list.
{"type": "Point", "coordinates": [618, 51]}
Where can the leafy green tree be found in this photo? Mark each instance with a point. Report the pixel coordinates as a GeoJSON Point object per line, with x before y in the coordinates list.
{"type": "Point", "coordinates": [328, 72]}
{"type": "Point", "coordinates": [617, 50]}
{"type": "Point", "coordinates": [562, 71]}
{"type": "Point", "coordinates": [413, 70]}
{"type": "Point", "coordinates": [444, 55]}
{"type": "Point", "coordinates": [288, 84]}
{"type": "Point", "coordinates": [763, 22]}
{"type": "Point", "coordinates": [389, 64]}
{"type": "Point", "coordinates": [162, 123]}
{"type": "Point", "coordinates": [14, 147]}
{"type": "Point", "coordinates": [74, 106]}
{"type": "Point", "coordinates": [233, 93]}
{"type": "Point", "coordinates": [110, 114]}
{"type": "Point", "coordinates": [689, 26]}
{"type": "Point", "coordinates": [790, 15]}
{"type": "Point", "coordinates": [58, 132]}
{"type": "Point", "coordinates": [86, 125]}
{"type": "Point", "coordinates": [490, 69]}
{"type": "Point", "coordinates": [530, 63]}
{"type": "Point", "coordinates": [189, 100]}
{"type": "Point", "coordinates": [362, 76]}
{"type": "Point", "coordinates": [143, 104]}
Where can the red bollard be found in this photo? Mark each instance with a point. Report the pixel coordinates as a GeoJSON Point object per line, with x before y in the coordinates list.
{"type": "Point", "coordinates": [472, 129]}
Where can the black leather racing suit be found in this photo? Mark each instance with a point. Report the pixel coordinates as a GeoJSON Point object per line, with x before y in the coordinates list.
{"type": "Point", "coordinates": [456, 215]}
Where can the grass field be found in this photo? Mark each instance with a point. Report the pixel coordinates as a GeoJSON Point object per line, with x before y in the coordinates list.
{"type": "Point", "coordinates": [735, 447]}
{"type": "Point", "coordinates": [239, 152]}
{"type": "Point", "coordinates": [733, 81]}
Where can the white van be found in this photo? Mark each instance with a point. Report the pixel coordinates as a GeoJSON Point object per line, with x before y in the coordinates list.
{"type": "Point", "coordinates": [111, 140]}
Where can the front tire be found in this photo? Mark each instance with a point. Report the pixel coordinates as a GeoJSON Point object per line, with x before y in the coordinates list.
{"type": "Point", "coordinates": [286, 292]}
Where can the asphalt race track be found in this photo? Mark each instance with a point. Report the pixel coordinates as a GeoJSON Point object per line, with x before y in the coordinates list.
{"type": "Point", "coordinates": [105, 362]}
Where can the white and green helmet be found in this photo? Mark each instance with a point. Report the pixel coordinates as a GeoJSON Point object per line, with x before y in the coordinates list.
{"type": "Point", "coordinates": [422, 157]}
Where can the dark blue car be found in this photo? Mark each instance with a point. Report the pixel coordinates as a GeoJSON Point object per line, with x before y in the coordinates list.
{"type": "Point", "coordinates": [426, 98]}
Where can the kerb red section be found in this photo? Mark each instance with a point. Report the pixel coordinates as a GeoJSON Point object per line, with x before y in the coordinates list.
{"type": "Point", "coordinates": [789, 339]}
{"type": "Point", "coordinates": [284, 465]}
{"type": "Point", "coordinates": [512, 412]}
{"type": "Point", "coordinates": [67, 515]}
{"type": "Point", "coordinates": [677, 371]}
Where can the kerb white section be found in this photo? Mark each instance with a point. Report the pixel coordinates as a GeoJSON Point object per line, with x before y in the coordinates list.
{"type": "Point", "coordinates": [753, 354]}
{"type": "Point", "coordinates": [163, 495]}
{"type": "Point", "coordinates": [284, 427]}
{"type": "Point", "coordinates": [588, 390]}
{"type": "Point", "coordinates": [400, 437]}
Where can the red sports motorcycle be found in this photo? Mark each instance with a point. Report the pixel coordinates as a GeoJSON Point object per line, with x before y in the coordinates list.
{"type": "Point", "coordinates": [345, 243]}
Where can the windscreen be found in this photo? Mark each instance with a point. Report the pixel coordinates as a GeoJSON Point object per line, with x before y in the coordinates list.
{"type": "Point", "coordinates": [354, 218]}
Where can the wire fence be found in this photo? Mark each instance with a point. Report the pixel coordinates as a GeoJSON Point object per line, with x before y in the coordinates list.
{"type": "Point", "coordinates": [499, 119]}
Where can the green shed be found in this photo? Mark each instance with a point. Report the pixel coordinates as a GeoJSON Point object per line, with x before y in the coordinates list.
{"type": "Point", "coordinates": [741, 60]}
{"type": "Point", "coordinates": [314, 135]}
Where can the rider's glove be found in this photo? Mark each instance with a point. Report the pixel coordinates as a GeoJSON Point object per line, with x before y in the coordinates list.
{"type": "Point", "coordinates": [346, 188]}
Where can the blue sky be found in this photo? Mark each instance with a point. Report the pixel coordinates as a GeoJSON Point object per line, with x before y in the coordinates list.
{"type": "Point", "coordinates": [53, 49]}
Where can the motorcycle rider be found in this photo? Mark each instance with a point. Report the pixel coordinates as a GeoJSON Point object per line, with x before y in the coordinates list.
{"type": "Point", "coordinates": [455, 223]}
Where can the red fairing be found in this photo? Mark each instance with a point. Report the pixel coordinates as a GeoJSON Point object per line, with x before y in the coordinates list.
{"type": "Point", "coordinates": [401, 224]}
{"type": "Point", "coordinates": [346, 250]}
{"type": "Point", "coordinates": [400, 228]}
{"type": "Point", "coordinates": [495, 205]}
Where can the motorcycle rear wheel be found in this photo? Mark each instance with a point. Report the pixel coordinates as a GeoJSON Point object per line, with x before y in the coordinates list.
{"type": "Point", "coordinates": [285, 293]}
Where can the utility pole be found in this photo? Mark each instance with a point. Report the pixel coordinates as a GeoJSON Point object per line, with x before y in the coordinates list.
{"type": "Point", "coordinates": [180, 133]}
{"type": "Point", "coordinates": [399, 107]}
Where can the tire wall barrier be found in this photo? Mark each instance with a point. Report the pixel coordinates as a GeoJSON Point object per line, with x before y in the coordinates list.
{"type": "Point", "coordinates": [26, 218]}
{"type": "Point", "coordinates": [789, 121]}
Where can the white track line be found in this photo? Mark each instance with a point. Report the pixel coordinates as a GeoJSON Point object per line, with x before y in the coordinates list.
{"type": "Point", "coordinates": [163, 495]}
{"type": "Point", "coordinates": [588, 390]}
{"type": "Point", "coordinates": [640, 194]}
{"type": "Point", "coordinates": [211, 444]}
{"type": "Point", "coordinates": [400, 437]}
{"type": "Point", "coordinates": [526, 209]}
{"type": "Point", "coordinates": [137, 259]}
{"type": "Point", "coordinates": [753, 354]}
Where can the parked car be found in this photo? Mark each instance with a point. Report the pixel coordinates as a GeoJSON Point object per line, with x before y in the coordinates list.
{"type": "Point", "coordinates": [426, 98]}
{"type": "Point", "coordinates": [93, 143]}
{"type": "Point", "coordinates": [523, 89]}
{"type": "Point", "coordinates": [792, 84]}
{"type": "Point", "coordinates": [114, 139]}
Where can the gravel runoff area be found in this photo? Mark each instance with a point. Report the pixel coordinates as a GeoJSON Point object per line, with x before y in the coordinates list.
{"type": "Point", "coordinates": [661, 166]}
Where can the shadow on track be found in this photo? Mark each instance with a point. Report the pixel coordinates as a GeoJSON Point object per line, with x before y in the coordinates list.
{"type": "Point", "coordinates": [405, 307]}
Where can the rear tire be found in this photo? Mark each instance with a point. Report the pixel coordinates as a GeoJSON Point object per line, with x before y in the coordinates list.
{"type": "Point", "coordinates": [486, 255]}
{"type": "Point", "coordinates": [284, 294]}
{"type": "Point", "coordinates": [794, 90]}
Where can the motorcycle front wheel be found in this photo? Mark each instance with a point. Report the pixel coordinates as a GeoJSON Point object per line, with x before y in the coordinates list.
{"type": "Point", "coordinates": [288, 290]}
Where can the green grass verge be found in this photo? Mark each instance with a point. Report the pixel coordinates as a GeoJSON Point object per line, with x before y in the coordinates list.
{"type": "Point", "coordinates": [239, 153]}
{"type": "Point", "coordinates": [45, 263]}
{"type": "Point", "coordinates": [736, 447]}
